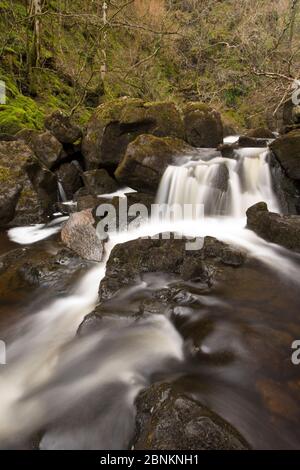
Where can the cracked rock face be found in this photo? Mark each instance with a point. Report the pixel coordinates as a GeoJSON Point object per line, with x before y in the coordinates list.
{"type": "Point", "coordinates": [169, 420]}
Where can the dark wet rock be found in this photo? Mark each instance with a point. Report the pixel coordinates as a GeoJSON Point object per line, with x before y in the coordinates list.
{"type": "Point", "coordinates": [130, 260]}
{"type": "Point", "coordinates": [146, 159]}
{"type": "Point", "coordinates": [287, 150]}
{"type": "Point", "coordinates": [117, 123]}
{"type": "Point", "coordinates": [286, 189]}
{"type": "Point", "coordinates": [221, 178]}
{"type": "Point", "coordinates": [22, 175]}
{"type": "Point", "coordinates": [141, 198]}
{"type": "Point", "coordinates": [44, 145]}
{"type": "Point", "coordinates": [228, 150]}
{"type": "Point", "coordinates": [280, 229]}
{"type": "Point", "coordinates": [62, 128]}
{"type": "Point", "coordinates": [79, 234]}
{"type": "Point", "coordinates": [260, 133]}
{"type": "Point", "coordinates": [203, 125]}
{"type": "Point", "coordinates": [25, 269]}
{"type": "Point", "coordinates": [99, 182]}
{"type": "Point", "coordinates": [8, 204]}
{"type": "Point", "coordinates": [169, 420]}
{"type": "Point", "coordinates": [245, 141]}
{"type": "Point", "coordinates": [69, 177]}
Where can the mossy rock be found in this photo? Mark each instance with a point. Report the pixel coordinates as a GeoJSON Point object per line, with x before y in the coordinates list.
{"type": "Point", "coordinates": [147, 158]}
{"type": "Point", "coordinates": [117, 123]}
{"type": "Point", "coordinates": [287, 150]}
{"type": "Point", "coordinates": [203, 125]}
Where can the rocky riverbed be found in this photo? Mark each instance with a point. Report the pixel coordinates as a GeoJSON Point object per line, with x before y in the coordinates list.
{"type": "Point", "coordinates": [133, 342]}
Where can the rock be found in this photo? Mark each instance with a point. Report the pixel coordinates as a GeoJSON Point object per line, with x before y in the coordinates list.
{"type": "Point", "coordinates": [203, 125]}
{"type": "Point", "coordinates": [245, 141]}
{"type": "Point", "coordinates": [61, 127]}
{"type": "Point", "coordinates": [130, 260]}
{"type": "Point", "coordinates": [228, 150]}
{"type": "Point", "coordinates": [287, 190]}
{"type": "Point", "coordinates": [79, 234]}
{"type": "Point", "coordinates": [44, 145]}
{"type": "Point", "coordinates": [287, 150]}
{"type": "Point", "coordinates": [275, 228]}
{"type": "Point", "coordinates": [69, 177]}
{"type": "Point", "coordinates": [141, 198]}
{"type": "Point", "coordinates": [99, 182]}
{"type": "Point", "coordinates": [8, 203]}
{"type": "Point", "coordinates": [146, 159]}
{"type": "Point", "coordinates": [24, 269]}
{"type": "Point", "coordinates": [169, 420]}
{"type": "Point", "coordinates": [117, 123]}
{"type": "Point", "coordinates": [260, 133]}
{"type": "Point", "coordinates": [87, 202]}
{"type": "Point", "coordinates": [28, 190]}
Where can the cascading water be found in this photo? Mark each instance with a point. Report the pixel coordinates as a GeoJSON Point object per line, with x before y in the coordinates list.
{"type": "Point", "coordinates": [82, 392]}
{"type": "Point", "coordinates": [224, 186]}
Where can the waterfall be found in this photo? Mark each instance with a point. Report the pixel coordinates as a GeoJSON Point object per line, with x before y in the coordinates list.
{"type": "Point", "coordinates": [224, 186]}
{"type": "Point", "coordinates": [61, 192]}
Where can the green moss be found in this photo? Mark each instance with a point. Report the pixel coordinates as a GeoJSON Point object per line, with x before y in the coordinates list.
{"type": "Point", "coordinates": [4, 174]}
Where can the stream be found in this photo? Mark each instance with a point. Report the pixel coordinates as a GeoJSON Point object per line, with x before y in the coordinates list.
{"type": "Point", "coordinates": [229, 348]}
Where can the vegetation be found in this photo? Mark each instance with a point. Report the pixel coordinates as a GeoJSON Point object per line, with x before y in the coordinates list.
{"type": "Point", "coordinates": [239, 56]}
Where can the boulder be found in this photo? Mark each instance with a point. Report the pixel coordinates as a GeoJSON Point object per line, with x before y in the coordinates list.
{"type": "Point", "coordinates": [69, 176]}
{"type": "Point", "coordinates": [25, 269]}
{"type": "Point", "coordinates": [117, 123]}
{"type": "Point", "coordinates": [283, 230]}
{"type": "Point", "coordinates": [287, 150]}
{"type": "Point", "coordinates": [147, 158]}
{"type": "Point", "coordinates": [62, 128]}
{"type": "Point", "coordinates": [99, 182]}
{"type": "Point", "coordinates": [245, 141]}
{"type": "Point", "coordinates": [203, 125]}
{"type": "Point", "coordinates": [79, 234]}
{"type": "Point", "coordinates": [44, 145]}
{"type": "Point", "coordinates": [130, 260]}
{"type": "Point", "coordinates": [168, 419]}
{"type": "Point", "coordinates": [28, 190]}
{"type": "Point", "coordinates": [260, 133]}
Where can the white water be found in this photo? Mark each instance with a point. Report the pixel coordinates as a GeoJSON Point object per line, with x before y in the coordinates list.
{"type": "Point", "coordinates": [50, 377]}
{"type": "Point", "coordinates": [35, 233]}
{"type": "Point", "coordinates": [223, 186]}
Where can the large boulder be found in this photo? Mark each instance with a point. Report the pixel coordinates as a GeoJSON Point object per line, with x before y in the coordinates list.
{"type": "Point", "coordinates": [44, 145]}
{"type": "Point", "coordinates": [147, 158]}
{"type": "Point", "coordinates": [203, 125]}
{"type": "Point", "coordinates": [260, 133]}
{"type": "Point", "coordinates": [28, 189]}
{"type": "Point", "coordinates": [99, 182]}
{"type": "Point", "coordinates": [60, 125]}
{"type": "Point", "coordinates": [69, 177]}
{"type": "Point", "coordinates": [79, 234]}
{"type": "Point", "coordinates": [129, 260]}
{"type": "Point", "coordinates": [281, 229]}
{"type": "Point", "coordinates": [117, 123]}
{"type": "Point", "coordinates": [245, 141]}
{"type": "Point", "coordinates": [169, 420]}
{"type": "Point", "coordinates": [287, 150]}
